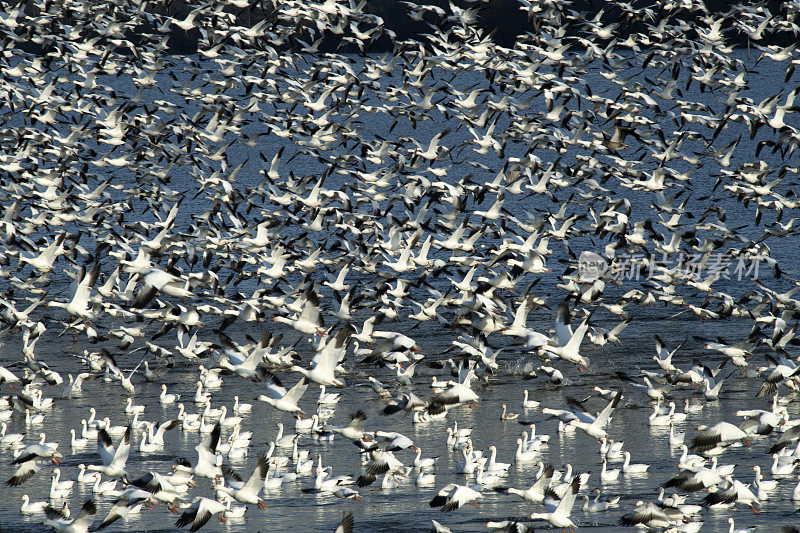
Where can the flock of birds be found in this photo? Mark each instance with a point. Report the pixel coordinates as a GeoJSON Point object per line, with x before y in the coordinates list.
{"type": "Point", "coordinates": [274, 214]}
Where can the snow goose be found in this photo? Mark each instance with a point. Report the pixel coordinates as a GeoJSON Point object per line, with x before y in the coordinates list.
{"type": "Point", "coordinates": [560, 516]}
{"type": "Point", "coordinates": [689, 462]}
{"type": "Point", "coordinates": [12, 439]}
{"type": "Point", "coordinates": [241, 408]}
{"type": "Point", "coordinates": [156, 432]}
{"type": "Point", "coordinates": [329, 398]}
{"type": "Point", "coordinates": [506, 415]}
{"type": "Point", "coordinates": [207, 458]}
{"type": "Point", "coordinates": [279, 397]}
{"type": "Point", "coordinates": [108, 488]}
{"type": "Point", "coordinates": [76, 442]}
{"type": "Point", "coordinates": [535, 493]}
{"type": "Point", "coordinates": [200, 396]}
{"type": "Point", "coordinates": [381, 462]}
{"type": "Point", "coordinates": [281, 440]}
{"type": "Point", "coordinates": [675, 439]}
{"type": "Point", "coordinates": [528, 404]}
{"type": "Point", "coordinates": [638, 468]}
{"type": "Point", "coordinates": [27, 462]}
{"type": "Point", "coordinates": [200, 512]}
{"type": "Point", "coordinates": [132, 409]}
{"type": "Point", "coordinates": [233, 512]}
{"type": "Point", "coordinates": [309, 320]}
{"type": "Point", "coordinates": [245, 492]}
{"type": "Point", "coordinates": [492, 465]}
{"type": "Point", "coordinates": [355, 429]}
{"type": "Point", "coordinates": [764, 486]}
{"type": "Point", "coordinates": [733, 528]}
{"type": "Point", "coordinates": [80, 524]}
{"type": "Point", "coordinates": [87, 477]}
{"type": "Point", "coordinates": [488, 479]}
{"type": "Point", "coordinates": [647, 515]}
{"type": "Point", "coordinates": [594, 426]}
{"type": "Point", "coordinates": [611, 450]}
{"type": "Point", "coordinates": [167, 398]}
{"type": "Point", "coordinates": [525, 454]}
{"type": "Point", "coordinates": [228, 421]}
{"type": "Point", "coordinates": [420, 463]}
{"type": "Point", "coordinates": [29, 507]}
{"type": "Point", "coordinates": [737, 492]}
{"type": "Point", "coordinates": [457, 392]}
{"type": "Point", "coordinates": [692, 481]}
{"type": "Point", "coordinates": [534, 442]}
{"type": "Point", "coordinates": [781, 470]}
{"type": "Point", "coordinates": [324, 362]}
{"type": "Point", "coordinates": [720, 434]}
{"type": "Point", "coordinates": [608, 474]}
{"type": "Point", "coordinates": [658, 419]}
{"type": "Point", "coordinates": [597, 505]}
{"type": "Point", "coordinates": [114, 459]}
{"type": "Point", "coordinates": [453, 496]}
{"type": "Point", "coordinates": [59, 489]}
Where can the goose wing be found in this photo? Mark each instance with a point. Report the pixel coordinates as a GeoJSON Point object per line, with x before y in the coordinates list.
{"type": "Point", "coordinates": [564, 507]}
{"type": "Point", "coordinates": [274, 386]}
{"type": "Point", "coordinates": [105, 447]}
{"type": "Point", "coordinates": [256, 480]}
{"type": "Point", "coordinates": [605, 414]}
{"type": "Point", "coordinates": [84, 517]}
{"type": "Point", "coordinates": [123, 450]}
{"type": "Point", "coordinates": [296, 392]}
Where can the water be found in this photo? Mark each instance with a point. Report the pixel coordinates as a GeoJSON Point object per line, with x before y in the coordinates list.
{"type": "Point", "coordinates": [404, 508]}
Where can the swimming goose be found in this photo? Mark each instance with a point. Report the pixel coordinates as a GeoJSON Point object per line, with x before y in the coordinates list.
{"type": "Point", "coordinates": [87, 477]}
{"type": "Point", "coordinates": [608, 474]}
{"type": "Point", "coordinates": [241, 408]}
{"type": "Point", "coordinates": [505, 415]}
{"type": "Point", "coordinates": [281, 440]}
{"type": "Point", "coordinates": [628, 468]}
{"type": "Point", "coordinates": [420, 463]}
{"type": "Point", "coordinates": [525, 454]}
{"type": "Point", "coordinates": [59, 489]}
{"type": "Point", "coordinates": [492, 465]}
{"type": "Point", "coordinates": [12, 440]}
{"type": "Point", "coordinates": [166, 398]}
{"type": "Point", "coordinates": [596, 505]}
{"type": "Point", "coordinates": [329, 398]}
{"type": "Point", "coordinates": [29, 507]}
{"type": "Point", "coordinates": [528, 404]}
